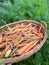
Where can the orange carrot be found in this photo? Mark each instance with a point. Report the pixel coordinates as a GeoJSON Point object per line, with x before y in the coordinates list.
{"type": "Point", "coordinates": [21, 45]}
{"type": "Point", "coordinates": [11, 37]}
{"type": "Point", "coordinates": [1, 54]}
{"type": "Point", "coordinates": [39, 29]}
{"type": "Point", "coordinates": [35, 31]}
{"type": "Point", "coordinates": [13, 51]}
{"type": "Point", "coordinates": [0, 38]}
{"type": "Point", "coordinates": [22, 50]}
{"type": "Point", "coordinates": [7, 48]}
{"type": "Point", "coordinates": [40, 34]}
{"type": "Point", "coordinates": [3, 39]}
{"type": "Point", "coordinates": [29, 25]}
{"type": "Point", "coordinates": [30, 47]}
{"type": "Point", "coordinates": [22, 25]}
{"type": "Point", "coordinates": [2, 45]}
{"type": "Point", "coordinates": [7, 40]}
{"type": "Point", "coordinates": [17, 40]}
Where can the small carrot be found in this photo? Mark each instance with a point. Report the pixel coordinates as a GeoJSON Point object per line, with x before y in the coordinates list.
{"type": "Point", "coordinates": [7, 40]}
{"type": "Point", "coordinates": [29, 25]}
{"type": "Point", "coordinates": [21, 45]}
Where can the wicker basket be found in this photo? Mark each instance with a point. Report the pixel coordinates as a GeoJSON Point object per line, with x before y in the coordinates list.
{"type": "Point", "coordinates": [31, 52]}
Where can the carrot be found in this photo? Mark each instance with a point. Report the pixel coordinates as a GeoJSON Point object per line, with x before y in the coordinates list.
{"type": "Point", "coordinates": [39, 29]}
{"type": "Point", "coordinates": [2, 45]}
{"type": "Point", "coordinates": [7, 48]}
{"type": "Point", "coordinates": [3, 39]}
{"type": "Point", "coordinates": [17, 40]}
{"type": "Point", "coordinates": [9, 32]}
{"type": "Point", "coordinates": [21, 45]}
{"type": "Point", "coordinates": [10, 38]}
{"type": "Point", "coordinates": [40, 34]}
{"type": "Point", "coordinates": [0, 38]}
{"type": "Point", "coordinates": [7, 40]}
{"type": "Point", "coordinates": [13, 28]}
{"type": "Point", "coordinates": [29, 25]}
{"type": "Point", "coordinates": [13, 51]}
{"type": "Point", "coordinates": [30, 47]}
{"type": "Point", "coordinates": [29, 34]}
{"type": "Point", "coordinates": [34, 31]}
{"type": "Point", "coordinates": [22, 25]}
{"type": "Point", "coordinates": [22, 50]}
{"type": "Point", "coordinates": [1, 54]}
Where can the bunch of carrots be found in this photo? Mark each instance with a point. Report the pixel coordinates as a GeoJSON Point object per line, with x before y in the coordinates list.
{"type": "Point", "coordinates": [20, 39]}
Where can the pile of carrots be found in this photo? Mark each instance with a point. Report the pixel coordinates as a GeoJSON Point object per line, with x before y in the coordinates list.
{"type": "Point", "coordinates": [20, 39]}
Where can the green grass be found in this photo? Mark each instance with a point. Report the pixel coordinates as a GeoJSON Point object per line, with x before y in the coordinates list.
{"type": "Point", "coordinates": [14, 10]}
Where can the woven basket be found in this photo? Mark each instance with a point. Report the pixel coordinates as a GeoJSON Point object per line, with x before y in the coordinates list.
{"type": "Point", "coordinates": [31, 52]}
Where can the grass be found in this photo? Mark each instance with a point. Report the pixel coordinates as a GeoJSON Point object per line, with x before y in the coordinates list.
{"type": "Point", "coordinates": [14, 10]}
